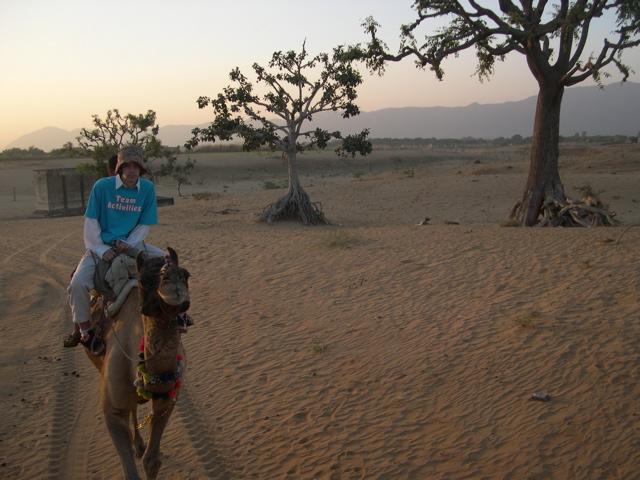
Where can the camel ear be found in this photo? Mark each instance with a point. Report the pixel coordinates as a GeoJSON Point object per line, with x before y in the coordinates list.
{"type": "Point", "coordinates": [173, 255]}
{"type": "Point", "coordinates": [140, 259]}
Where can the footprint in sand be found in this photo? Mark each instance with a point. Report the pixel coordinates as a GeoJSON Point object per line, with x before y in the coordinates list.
{"type": "Point", "coordinates": [349, 466]}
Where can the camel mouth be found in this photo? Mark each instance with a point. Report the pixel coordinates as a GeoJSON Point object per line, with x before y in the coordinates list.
{"type": "Point", "coordinates": [174, 298]}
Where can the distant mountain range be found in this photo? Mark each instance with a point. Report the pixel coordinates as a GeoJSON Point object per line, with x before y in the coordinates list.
{"type": "Point", "coordinates": [614, 110]}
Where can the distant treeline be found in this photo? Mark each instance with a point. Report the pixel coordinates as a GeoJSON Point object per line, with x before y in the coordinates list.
{"type": "Point", "coordinates": [33, 153]}
{"type": "Point", "coordinates": [470, 142]}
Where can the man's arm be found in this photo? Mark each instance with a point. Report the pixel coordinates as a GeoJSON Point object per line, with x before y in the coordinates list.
{"type": "Point", "coordinates": [93, 240]}
{"type": "Point", "coordinates": [138, 234]}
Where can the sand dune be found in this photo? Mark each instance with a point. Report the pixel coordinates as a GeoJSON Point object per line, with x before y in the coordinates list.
{"type": "Point", "coordinates": [406, 352]}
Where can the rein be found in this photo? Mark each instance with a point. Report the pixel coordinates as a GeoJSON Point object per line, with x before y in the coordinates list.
{"type": "Point", "coordinates": [124, 352]}
{"type": "Point", "coordinates": [122, 349]}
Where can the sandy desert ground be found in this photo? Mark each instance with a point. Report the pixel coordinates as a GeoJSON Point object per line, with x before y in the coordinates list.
{"type": "Point", "coordinates": [371, 348]}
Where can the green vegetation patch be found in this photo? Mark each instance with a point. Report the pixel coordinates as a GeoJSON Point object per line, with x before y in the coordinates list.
{"type": "Point", "coordinates": [338, 238]}
{"type": "Point", "coordinates": [319, 346]}
{"type": "Point", "coordinates": [528, 319]}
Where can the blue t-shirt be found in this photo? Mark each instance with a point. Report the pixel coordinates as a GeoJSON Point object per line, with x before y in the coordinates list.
{"type": "Point", "coordinates": [120, 211]}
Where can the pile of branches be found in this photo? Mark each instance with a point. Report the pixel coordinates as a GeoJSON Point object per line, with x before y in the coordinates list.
{"type": "Point", "coordinates": [587, 212]}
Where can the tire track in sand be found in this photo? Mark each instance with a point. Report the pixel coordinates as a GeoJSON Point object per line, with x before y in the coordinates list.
{"type": "Point", "coordinates": [197, 426]}
{"type": "Point", "coordinates": [36, 279]}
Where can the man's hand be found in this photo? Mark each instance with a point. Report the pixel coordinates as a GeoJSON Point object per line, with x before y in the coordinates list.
{"type": "Point", "coordinates": [109, 255]}
{"type": "Point", "coordinates": [122, 247]}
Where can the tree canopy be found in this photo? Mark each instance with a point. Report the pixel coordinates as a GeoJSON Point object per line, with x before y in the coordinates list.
{"type": "Point", "coordinates": [553, 36]}
{"type": "Point", "coordinates": [115, 131]}
{"type": "Point", "coordinates": [274, 109]}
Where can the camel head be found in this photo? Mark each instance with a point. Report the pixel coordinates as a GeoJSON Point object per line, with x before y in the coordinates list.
{"type": "Point", "coordinates": [164, 286]}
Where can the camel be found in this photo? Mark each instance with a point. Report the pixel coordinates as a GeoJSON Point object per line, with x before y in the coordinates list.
{"type": "Point", "coordinates": [143, 346]}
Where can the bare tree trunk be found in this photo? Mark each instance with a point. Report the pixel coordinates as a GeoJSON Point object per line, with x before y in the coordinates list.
{"type": "Point", "coordinates": [544, 186]}
{"type": "Point", "coordinates": [296, 204]}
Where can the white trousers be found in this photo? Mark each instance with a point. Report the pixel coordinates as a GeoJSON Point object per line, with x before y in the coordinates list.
{"type": "Point", "coordinates": [82, 281]}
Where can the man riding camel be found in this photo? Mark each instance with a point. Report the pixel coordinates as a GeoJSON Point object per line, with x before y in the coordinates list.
{"type": "Point", "coordinates": [119, 214]}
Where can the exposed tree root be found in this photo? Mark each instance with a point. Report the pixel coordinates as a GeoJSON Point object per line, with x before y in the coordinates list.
{"type": "Point", "coordinates": [295, 205]}
{"type": "Point", "coordinates": [588, 212]}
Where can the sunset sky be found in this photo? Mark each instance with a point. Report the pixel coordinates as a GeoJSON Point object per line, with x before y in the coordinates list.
{"type": "Point", "coordinates": [62, 61]}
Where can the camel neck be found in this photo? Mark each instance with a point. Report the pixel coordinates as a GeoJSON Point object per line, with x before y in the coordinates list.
{"type": "Point", "coordinates": [162, 341]}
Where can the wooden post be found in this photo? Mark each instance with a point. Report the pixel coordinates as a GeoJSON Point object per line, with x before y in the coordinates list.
{"type": "Point", "coordinates": [64, 191]}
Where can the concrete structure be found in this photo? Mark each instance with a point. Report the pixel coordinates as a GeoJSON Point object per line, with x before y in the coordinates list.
{"type": "Point", "coordinates": [61, 192]}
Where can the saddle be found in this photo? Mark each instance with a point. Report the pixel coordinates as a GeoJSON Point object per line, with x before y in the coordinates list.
{"type": "Point", "coordinates": [114, 280]}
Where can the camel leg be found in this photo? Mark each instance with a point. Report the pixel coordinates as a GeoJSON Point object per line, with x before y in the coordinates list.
{"type": "Point", "coordinates": [138, 442]}
{"type": "Point", "coordinates": [151, 459]}
{"type": "Point", "coordinates": [118, 403]}
{"type": "Point", "coordinates": [117, 421]}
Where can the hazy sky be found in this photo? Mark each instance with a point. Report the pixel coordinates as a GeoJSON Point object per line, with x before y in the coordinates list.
{"type": "Point", "coordinates": [62, 61]}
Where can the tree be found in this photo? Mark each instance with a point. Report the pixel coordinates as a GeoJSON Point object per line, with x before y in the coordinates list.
{"type": "Point", "coordinates": [293, 97]}
{"type": "Point", "coordinates": [180, 173]}
{"type": "Point", "coordinates": [116, 130]}
{"type": "Point", "coordinates": [553, 38]}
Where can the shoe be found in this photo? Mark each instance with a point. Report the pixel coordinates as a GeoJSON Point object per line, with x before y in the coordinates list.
{"type": "Point", "coordinates": [72, 340]}
{"type": "Point", "coordinates": [182, 320]}
{"type": "Point", "coordinates": [93, 344]}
